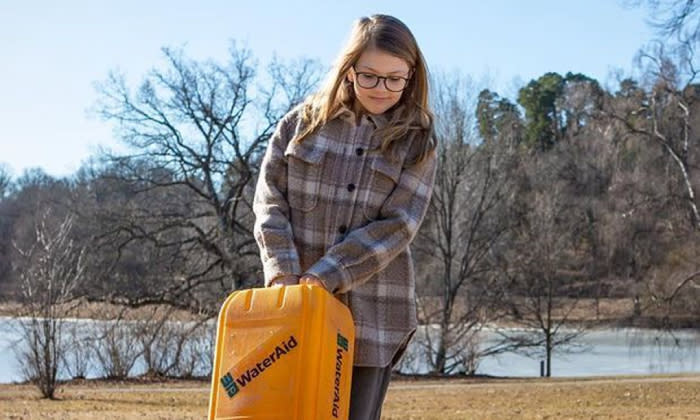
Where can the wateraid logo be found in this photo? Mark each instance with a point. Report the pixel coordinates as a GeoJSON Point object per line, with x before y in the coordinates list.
{"type": "Point", "coordinates": [232, 386]}
{"type": "Point", "coordinates": [342, 345]}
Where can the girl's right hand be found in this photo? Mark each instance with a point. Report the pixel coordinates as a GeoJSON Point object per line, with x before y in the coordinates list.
{"type": "Point", "coordinates": [287, 280]}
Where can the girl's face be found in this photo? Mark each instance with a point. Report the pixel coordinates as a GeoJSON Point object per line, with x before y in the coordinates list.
{"type": "Point", "coordinates": [394, 73]}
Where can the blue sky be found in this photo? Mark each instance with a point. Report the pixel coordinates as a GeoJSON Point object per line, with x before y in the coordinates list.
{"type": "Point", "coordinates": [52, 53]}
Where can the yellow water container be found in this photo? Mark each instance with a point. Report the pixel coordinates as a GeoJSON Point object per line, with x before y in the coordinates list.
{"type": "Point", "coordinates": [282, 353]}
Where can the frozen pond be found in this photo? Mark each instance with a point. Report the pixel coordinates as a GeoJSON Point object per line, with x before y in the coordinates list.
{"type": "Point", "coordinates": [608, 352]}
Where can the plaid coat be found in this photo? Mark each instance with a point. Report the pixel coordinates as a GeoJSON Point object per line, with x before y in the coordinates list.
{"type": "Point", "coordinates": [336, 207]}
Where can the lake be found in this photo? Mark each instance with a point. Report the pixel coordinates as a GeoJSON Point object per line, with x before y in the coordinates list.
{"type": "Point", "coordinates": [609, 352]}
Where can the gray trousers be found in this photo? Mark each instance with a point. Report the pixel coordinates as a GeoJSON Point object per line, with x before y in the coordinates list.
{"type": "Point", "coordinates": [369, 386]}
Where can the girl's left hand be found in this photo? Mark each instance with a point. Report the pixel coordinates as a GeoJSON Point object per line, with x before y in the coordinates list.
{"type": "Point", "coordinates": [312, 280]}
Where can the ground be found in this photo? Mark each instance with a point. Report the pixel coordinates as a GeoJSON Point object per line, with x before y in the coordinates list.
{"type": "Point", "coordinates": [649, 397]}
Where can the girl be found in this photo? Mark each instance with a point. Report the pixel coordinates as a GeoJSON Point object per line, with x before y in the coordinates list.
{"type": "Point", "coordinates": [344, 185]}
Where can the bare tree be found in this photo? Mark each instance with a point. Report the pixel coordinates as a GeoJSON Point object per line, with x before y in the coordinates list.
{"type": "Point", "coordinates": [671, 68]}
{"type": "Point", "coordinates": [672, 106]}
{"type": "Point", "coordinates": [546, 267]}
{"type": "Point", "coordinates": [668, 115]}
{"type": "Point", "coordinates": [661, 216]}
{"type": "Point", "coordinates": [673, 18]}
{"type": "Point", "coordinates": [78, 359]}
{"type": "Point", "coordinates": [165, 343]}
{"type": "Point", "coordinates": [22, 211]}
{"type": "Point", "coordinates": [195, 132]}
{"type": "Point", "coordinates": [116, 349]}
{"type": "Point", "coordinates": [643, 210]}
{"type": "Point", "coordinates": [466, 221]}
{"type": "Point", "coordinates": [50, 270]}
{"type": "Point", "coordinates": [5, 180]}
{"type": "Point", "coordinates": [676, 295]}
{"type": "Point", "coordinates": [197, 356]}
{"type": "Point", "coordinates": [5, 229]}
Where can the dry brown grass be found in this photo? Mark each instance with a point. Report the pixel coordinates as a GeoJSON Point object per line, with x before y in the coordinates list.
{"type": "Point", "coordinates": [181, 400]}
{"type": "Point", "coordinates": [667, 397]}
{"type": "Point", "coordinates": [626, 398]}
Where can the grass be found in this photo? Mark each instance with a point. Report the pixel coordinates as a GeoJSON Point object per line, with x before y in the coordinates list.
{"type": "Point", "coordinates": [648, 397]}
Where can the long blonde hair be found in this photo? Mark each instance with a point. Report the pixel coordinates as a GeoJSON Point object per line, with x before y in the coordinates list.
{"type": "Point", "coordinates": [410, 117]}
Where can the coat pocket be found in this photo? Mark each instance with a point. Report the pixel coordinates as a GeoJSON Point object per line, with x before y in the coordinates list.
{"type": "Point", "coordinates": [383, 178]}
{"type": "Point", "coordinates": [304, 165]}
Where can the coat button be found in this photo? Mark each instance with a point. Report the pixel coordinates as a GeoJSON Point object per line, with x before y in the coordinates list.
{"type": "Point", "coordinates": [360, 151]}
{"type": "Point", "coordinates": [342, 229]}
{"type": "Point", "coordinates": [351, 187]}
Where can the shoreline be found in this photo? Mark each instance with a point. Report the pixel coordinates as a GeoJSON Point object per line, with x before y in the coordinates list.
{"type": "Point", "coordinates": [646, 324]}
{"type": "Point", "coordinates": [395, 377]}
{"type": "Point", "coordinates": [606, 313]}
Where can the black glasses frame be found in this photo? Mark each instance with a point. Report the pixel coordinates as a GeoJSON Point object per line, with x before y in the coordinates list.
{"type": "Point", "coordinates": [380, 78]}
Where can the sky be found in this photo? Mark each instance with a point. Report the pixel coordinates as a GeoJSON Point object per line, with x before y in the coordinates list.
{"type": "Point", "coordinates": [52, 53]}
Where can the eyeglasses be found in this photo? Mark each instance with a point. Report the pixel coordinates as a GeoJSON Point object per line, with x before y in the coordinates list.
{"type": "Point", "coordinates": [371, 80]}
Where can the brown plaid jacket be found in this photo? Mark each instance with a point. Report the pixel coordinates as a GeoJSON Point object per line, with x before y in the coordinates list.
{"type": "Point", "coordinates": [336, 207]}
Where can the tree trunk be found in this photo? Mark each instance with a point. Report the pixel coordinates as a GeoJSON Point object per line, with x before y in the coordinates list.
{"type": "Point", "coordinates": [549, 355]}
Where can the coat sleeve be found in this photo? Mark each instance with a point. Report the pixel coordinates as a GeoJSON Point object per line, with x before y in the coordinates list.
{"type": "Point", "coordinates": [370, 248]}
{"type": "Point", "coordinates": [272, 228]}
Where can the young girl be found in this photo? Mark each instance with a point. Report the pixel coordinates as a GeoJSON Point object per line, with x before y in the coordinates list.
{"type": "Point", "coordinates": [344, 186]}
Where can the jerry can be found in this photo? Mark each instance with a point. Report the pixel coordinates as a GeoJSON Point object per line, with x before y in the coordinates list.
{"type": "Point", "coordinates": [282, 353]}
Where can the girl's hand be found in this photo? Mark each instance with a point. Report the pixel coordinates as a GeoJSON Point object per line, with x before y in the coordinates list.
{"type": "Point", "coordinates": [288, 280]}
{"type": "Point", "coordinates": [312, 280]}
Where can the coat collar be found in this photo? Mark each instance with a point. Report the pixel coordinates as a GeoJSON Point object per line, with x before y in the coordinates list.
{"type": "Point", "coordinates": [347, 114]}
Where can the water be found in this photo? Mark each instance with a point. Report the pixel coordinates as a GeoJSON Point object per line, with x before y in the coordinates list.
{"type": "Point", "coordinates": [608, 352]}
{"type": "Point", "coordinates": [89, 340]}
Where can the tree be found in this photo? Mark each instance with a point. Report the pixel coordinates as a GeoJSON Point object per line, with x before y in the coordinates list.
{"type": "Point", "coordinates": [667, 116]}
{"type": "Point", "coordinates": [190, 173]}
{"type": "Point", "coordinates": [50, 271]}
{"type": "Point", "coordinates": [638, 198]}
{"type": "Point", "coordinates": [5, 227]}
{"type": "Point", "coordinates": [552, 106]}
{"type": "Point", "coordinates": [671, 65]}
{"type": "Point", "coordinates": [5, 180]}
{"type": "Point", "coordinates": [467, 219]}
{"type": "Point", "coordinates": [20, 211]}
{"type": "Point", "coordinates": [546, 266]}
{"type": "Point", "coordinates": [498, 118]}
{"type": "Point", "coordinates": [543, 123]}
{"type": "Point", "coordinates": [673, 18]}
{"type": "Point", "coordinates": [557, 250]}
